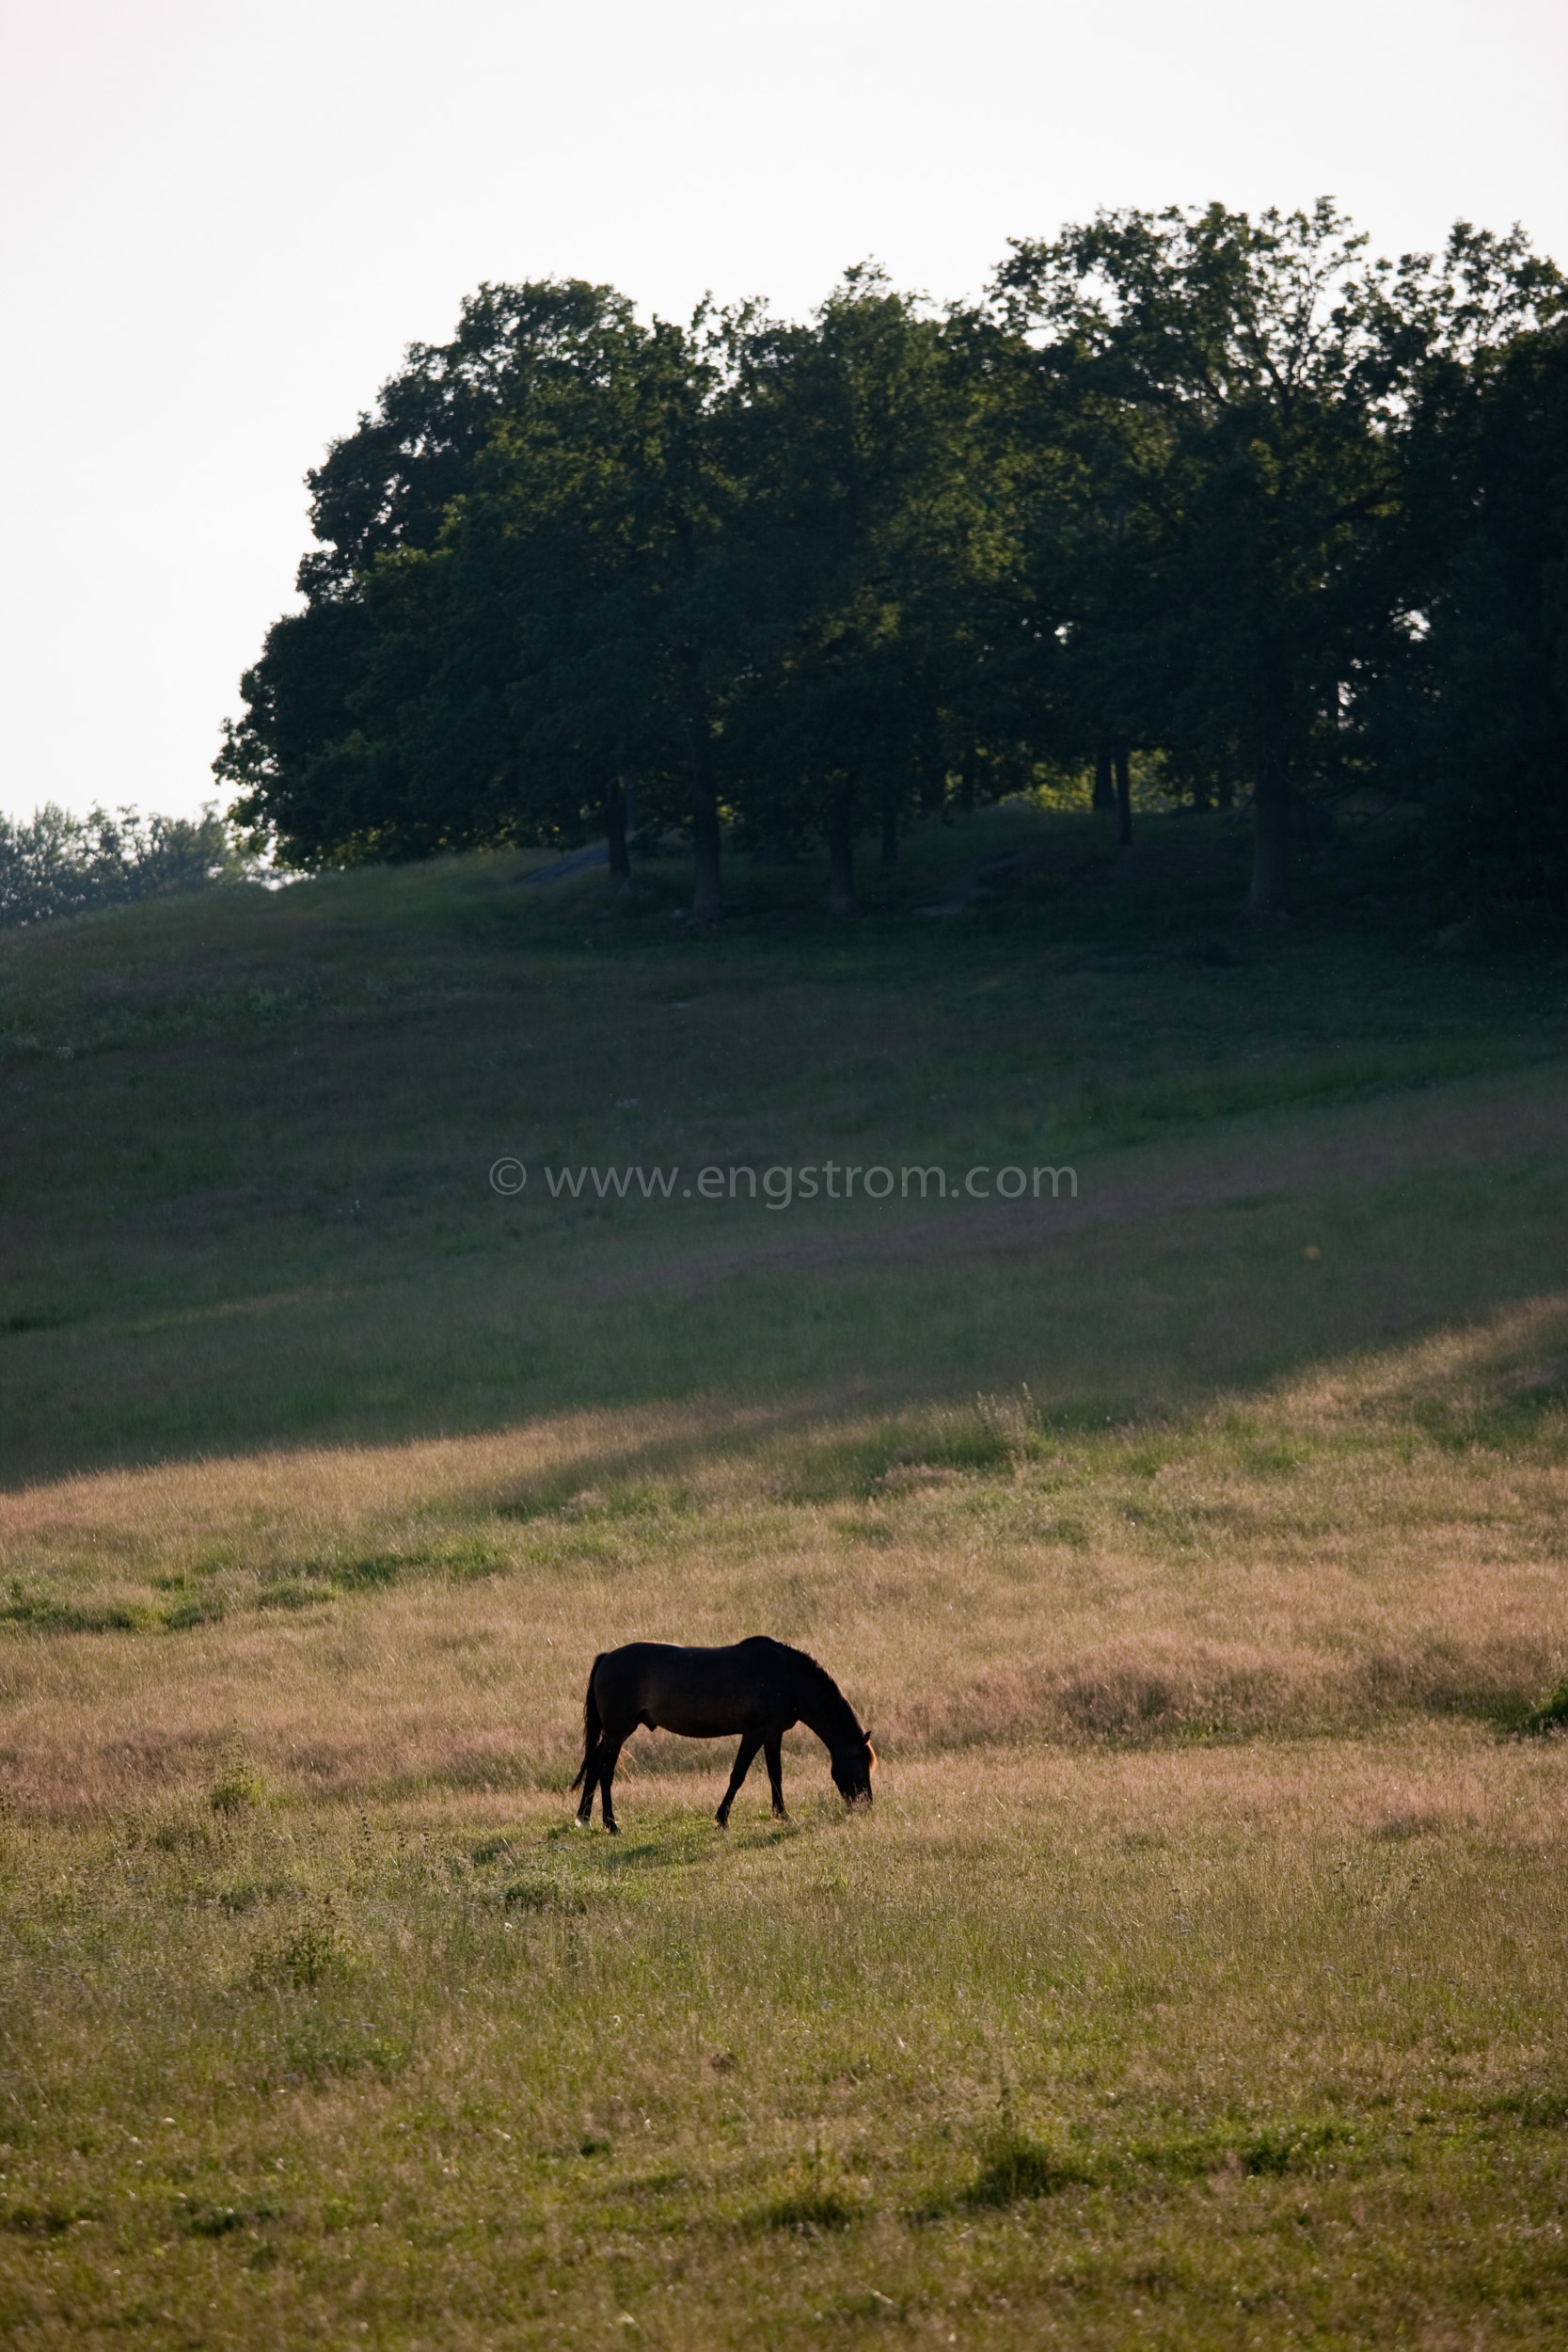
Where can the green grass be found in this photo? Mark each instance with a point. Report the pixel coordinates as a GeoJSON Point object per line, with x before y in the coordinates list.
{"type": "Point", "coordinates": [976, 2071]}
{"type": "Point", "coordinates": [1195, 1550]}
{"type": "Point", "coordinates": [252, 1206]}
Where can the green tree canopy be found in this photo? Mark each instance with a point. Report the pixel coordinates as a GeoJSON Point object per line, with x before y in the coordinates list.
{"type": "Point", "coordinates": [1239, 388]}
{"type": "Point", "coordinates": [1214, 484]}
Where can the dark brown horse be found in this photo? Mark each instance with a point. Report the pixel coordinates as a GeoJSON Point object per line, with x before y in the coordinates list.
{"type": "Point", "coordinates": [759, 1688]}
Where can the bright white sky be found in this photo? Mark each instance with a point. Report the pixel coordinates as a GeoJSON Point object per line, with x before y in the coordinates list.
{"type": "Point", "coordinates": [223, 220]}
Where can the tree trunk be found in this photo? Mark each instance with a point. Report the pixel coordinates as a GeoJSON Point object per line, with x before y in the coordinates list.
{"type": "Point", "coordinates": [707, 902]}
{"type": "Point", "coordinates": [1120, 760]}
{"type": "Point", "coordinates": [615, 830]}
{"type": "Point", "coordinates": [1105, 790]}
{"type": "Point", "coordinates": [890, 833]}
{"type": "Point", "coordinates": [841, 853]}
{"type": "Point", "coordinates": [1270, 816]}
{"type": "Point", "coordinates": [708, 905]}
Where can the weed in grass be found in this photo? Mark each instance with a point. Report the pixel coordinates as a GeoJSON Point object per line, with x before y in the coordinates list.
{"type": "Point", "coordinates": [239, 1787]}
{"type": "Point", "coordinates": [305, 1956]}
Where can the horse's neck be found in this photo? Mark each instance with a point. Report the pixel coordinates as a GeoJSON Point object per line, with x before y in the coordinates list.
{"type": "Point", "coordinates": [824, 1709]}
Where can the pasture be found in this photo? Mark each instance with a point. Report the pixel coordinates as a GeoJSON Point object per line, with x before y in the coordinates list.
{"type": "Point", "coordinates": [1193, 1549]}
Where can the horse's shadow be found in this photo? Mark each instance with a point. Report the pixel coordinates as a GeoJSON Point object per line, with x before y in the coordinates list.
{"type": "Point", "coordinates": [681, 1844]}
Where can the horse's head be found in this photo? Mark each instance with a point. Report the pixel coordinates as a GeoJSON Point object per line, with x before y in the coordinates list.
{"type": "Point", "coordinates": [852, 1769]}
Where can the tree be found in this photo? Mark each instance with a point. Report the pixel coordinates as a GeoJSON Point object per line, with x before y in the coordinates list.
{"type": "Point", "coordinates": [520, 602]}
{"type": "Point", "coordinates": [1088, 499]}
{"type": "Point", "coordinates": [353, 743]}
{"type": "Point", "coordinates": [389, 485]}
{"type": "Point", "coordinates": [595, 549]}
{"type": "Point", "coordinates": [859, 523]}
{"type": "Point", "coordinates": [1217, 487]}
{"type": "Point", "coordinates": [1474, 726]}
{"type": "Point", "coordinates": [61, 865]}
{"type": "Point", "coordinates": [1274, 369]}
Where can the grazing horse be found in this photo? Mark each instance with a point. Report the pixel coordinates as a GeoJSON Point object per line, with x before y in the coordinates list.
{"type": "Point", "coordinates": [759, 1688]}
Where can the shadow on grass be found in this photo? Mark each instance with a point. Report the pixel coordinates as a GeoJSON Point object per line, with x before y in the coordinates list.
{"type": "Point", "coordinates": [810, 2215]}
{"type": "Point", "coordinates": [222, 2220]}
{"type": "Point", "coordinates": [1534, 1723]}
{"type": "Point", "coordinates": [586, 1859]}
{"type": "Point", "coordinates": [1015, 2168]}
{"type": "Point", "coordinates": [42, 1613]}
{"type": "Point", "coordinates": [1540, 2110]}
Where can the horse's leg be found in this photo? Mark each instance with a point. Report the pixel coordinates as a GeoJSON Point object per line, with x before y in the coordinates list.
{"type": "Point", "coordinates": [590, 1782]}
{"type": "Point", "coordinates": [749, 1743]}
{"type": "Point", "coordinates": [610, 1756]}
{"type": "Point", "coordinates": [772, 1748]}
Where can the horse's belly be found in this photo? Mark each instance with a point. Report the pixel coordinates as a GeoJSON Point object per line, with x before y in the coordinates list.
{"type": "Point", "coordinates": [696, 1721]}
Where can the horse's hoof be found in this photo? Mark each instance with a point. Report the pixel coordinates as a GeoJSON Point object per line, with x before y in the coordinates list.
{"type": "Point", "coordinates": [722, 1819]}
{"type": "Point", "coordinates": [614, 1828]}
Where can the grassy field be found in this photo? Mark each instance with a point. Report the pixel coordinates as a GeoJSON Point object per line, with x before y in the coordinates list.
{"type": "Point", "coordinates": [1194, 1548]}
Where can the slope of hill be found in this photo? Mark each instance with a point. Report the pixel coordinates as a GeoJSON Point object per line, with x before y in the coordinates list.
{"type": "Point", "coordinates": [247, 1191]}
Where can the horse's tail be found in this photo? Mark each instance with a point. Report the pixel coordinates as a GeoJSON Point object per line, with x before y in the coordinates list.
{"type": "Point", "coordinates": [591, 1727]}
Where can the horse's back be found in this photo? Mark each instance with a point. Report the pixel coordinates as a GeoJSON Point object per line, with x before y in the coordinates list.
{"type": "Point", "coordinates": [703, 1693]}
{"type": "Point", "coordinates": [756, 1650]}
{"type": "Point", "coordinates": [620, 1673]}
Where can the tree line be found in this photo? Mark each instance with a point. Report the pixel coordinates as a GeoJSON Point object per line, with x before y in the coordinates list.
{"type": "Point", "coordinates": [1226, 491]}
{"type": "Point", "coordinates": [57, 864]}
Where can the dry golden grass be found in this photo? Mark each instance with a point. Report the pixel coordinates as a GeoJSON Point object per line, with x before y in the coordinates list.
{"type": "Point", "coordinates": [1370, 1541]}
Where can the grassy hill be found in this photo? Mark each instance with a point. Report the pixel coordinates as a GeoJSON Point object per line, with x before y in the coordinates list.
{"type": "Point", "coordinates": [246, 1189]}
{"type": "Point", "coordinates": [1191, 1541]}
